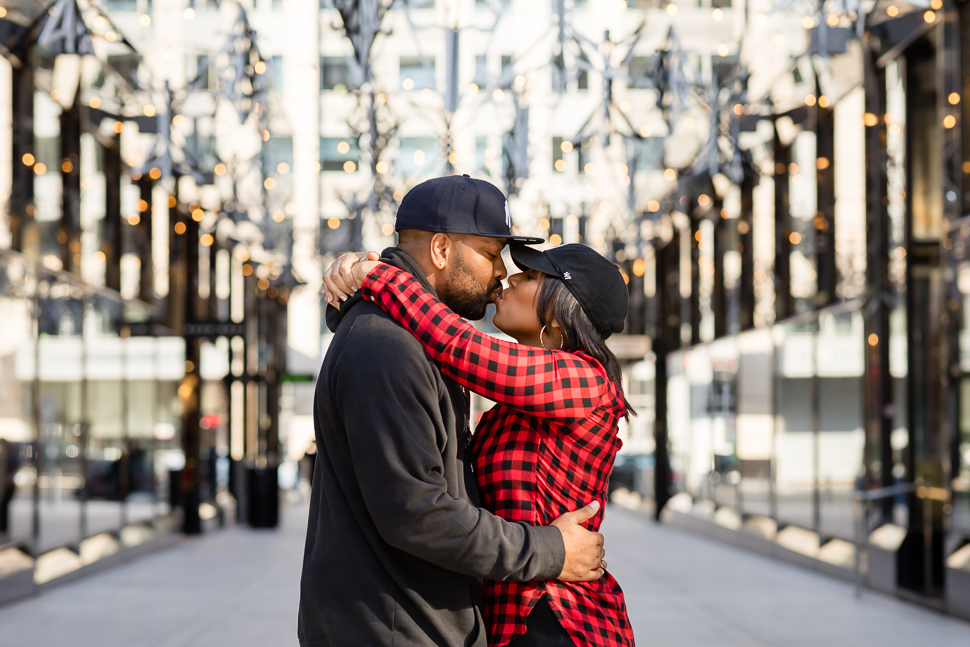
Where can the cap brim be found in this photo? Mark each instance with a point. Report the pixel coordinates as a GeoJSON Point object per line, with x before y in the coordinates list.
{"type": "Point", "coordinates": [525, 240]}
{"type": "Point", "coordinates": [527, 258]}
{"type": "Point", "coordinates": [511, 240]}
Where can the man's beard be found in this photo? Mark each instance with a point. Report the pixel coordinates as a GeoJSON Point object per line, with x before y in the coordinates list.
{"type": "Point", "coordinates": [465, 295]}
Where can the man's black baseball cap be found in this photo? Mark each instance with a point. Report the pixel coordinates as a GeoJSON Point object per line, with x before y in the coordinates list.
{"type": "Point", "coordinates": [458, 204]}
{"type": "Point", "coordinates": [595, 282]}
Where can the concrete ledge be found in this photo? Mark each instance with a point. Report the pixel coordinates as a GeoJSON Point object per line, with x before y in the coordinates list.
{"type": "Point", "coordinates": [16, 586]}
{"type": "Point", "coordinates": [958, 592]}
{"type": "Point", "coordinates": [123, 556]}
{"type": "Point", "coordinates": [752, 542]}
{"type": "Point", "coordinates": [22, 584]}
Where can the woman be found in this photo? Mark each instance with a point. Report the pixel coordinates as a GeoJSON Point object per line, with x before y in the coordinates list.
{"type": "Point", "coordinates": [549, 445]}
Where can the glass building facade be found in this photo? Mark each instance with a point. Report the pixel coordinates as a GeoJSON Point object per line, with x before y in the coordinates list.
{"type": "Point", "coordinates": [88, 418]}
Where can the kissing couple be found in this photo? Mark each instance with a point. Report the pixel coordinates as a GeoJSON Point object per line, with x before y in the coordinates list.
{"type": "Point", "coordinates": [420, 533]}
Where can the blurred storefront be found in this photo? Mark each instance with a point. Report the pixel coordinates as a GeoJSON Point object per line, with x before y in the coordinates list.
{"type": "Point", "coordinates": [823, 415]}
{"type": "Point", "coordinates": [142, 312]}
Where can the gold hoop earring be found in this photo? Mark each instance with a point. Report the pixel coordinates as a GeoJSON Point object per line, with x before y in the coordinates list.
{"type": "Point", "coordinates": [543, 344]}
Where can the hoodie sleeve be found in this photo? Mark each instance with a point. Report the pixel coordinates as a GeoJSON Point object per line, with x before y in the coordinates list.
{"type": "Point", "coordinates": [545, 383]}
{"type": "Point", "coordinates": [387, 398]}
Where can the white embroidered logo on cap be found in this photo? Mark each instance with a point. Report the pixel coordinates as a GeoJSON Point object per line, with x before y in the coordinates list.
{"type": "Point", "coordinates": [566, 276]}
{"type": "Point", "coordinates": [508, 216]}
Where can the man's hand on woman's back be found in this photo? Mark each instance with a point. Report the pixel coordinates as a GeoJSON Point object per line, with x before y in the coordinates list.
{"type": "Point", "coordinates": [584, 548]}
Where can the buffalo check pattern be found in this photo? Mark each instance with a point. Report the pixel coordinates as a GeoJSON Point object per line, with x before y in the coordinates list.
{"type": "Point", "coordinates": [547, 448]}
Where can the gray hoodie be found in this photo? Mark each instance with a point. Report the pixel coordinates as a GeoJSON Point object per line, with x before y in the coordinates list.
{"type": "Point", "coordinates": [396, 543]}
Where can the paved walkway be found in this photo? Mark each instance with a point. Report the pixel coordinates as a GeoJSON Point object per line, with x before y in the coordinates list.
{"type": "Point", "coordinates": [239, 588]}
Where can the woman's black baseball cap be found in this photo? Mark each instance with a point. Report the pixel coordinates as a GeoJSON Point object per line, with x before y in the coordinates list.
{"type": "Point", "coordinates": [459, 204]}
{"type": "Point", "coordinates": [595, 282]}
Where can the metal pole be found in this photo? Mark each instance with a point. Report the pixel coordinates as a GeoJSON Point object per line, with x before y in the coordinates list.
{"type": "Point", "coordinates": [718, 296]}
{"type": "Point", "coordinates": [826, 272]}
{"type": "Point", "coordinates": [143, 242]}
{"type": "Point", "coordinates": [784, 305]}
{"type": "Point", "coordinates": [125, 472]}
{"type": "Point", "coordinates": [746, 235]}
{"type": "Point", "coordinates": [667, 336]}
{"type": "Point", "coordinates": [85, 438]}
{"type": "Point", "coordinates": [816, 404]}
{"type": "Point", "coordinates": [860, 504]}
{"type": "Point", "coordinates": [69, 236]}
{"type": "Point", "coordinates": [22, 228]}
{"type": "Point", "coordinates": [38, 446]}
{"type": "Point", "coordinates": [111, 238]}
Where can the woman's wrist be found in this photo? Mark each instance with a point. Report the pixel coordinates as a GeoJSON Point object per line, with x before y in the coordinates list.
{"type": "Point", "coordinates": [364, 269]}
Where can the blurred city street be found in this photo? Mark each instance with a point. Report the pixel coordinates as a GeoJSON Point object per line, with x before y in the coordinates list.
{"type": "Point", "coordinates": [239, 587]}
{"type": "Point", "coordinates": [783, 189]}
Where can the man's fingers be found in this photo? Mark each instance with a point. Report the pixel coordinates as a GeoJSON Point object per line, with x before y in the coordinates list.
{"type": "Point", "coordinates": [593, 575]}
{"type": "Point", "coordinates": [585, 513]}
{"type": "Point", "coordinates": [373, 256]}
{"type": "Point", "coordinates": [345, 262]}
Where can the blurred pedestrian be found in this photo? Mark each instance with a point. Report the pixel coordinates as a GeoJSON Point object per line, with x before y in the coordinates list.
{"type": "Point", "coordinates": [308, 461]}
{"type": "Point", "coordinates": [9, 462]}
{"type": "Point", "coordinates": [552, 439]}
{"type": "Point", "coordinates": [396, 543]}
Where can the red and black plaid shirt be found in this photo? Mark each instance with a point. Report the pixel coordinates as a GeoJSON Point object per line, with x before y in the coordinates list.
{"type": "Point", "coordinates": [547, 448]}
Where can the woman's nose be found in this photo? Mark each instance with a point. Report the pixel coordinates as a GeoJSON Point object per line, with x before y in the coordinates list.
{"type": "Point", "coordinates": [514, 279]}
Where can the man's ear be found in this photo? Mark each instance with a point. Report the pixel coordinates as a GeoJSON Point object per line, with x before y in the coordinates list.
{"type": "Point", "coordinates": [442, 246]}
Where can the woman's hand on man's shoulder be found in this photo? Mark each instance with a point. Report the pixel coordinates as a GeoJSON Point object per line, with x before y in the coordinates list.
{"type": "Point", "coordinates": [339, 283]}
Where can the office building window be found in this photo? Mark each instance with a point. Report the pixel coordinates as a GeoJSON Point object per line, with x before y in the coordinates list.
{"type": "Point", "coordinates": [274, 72]}
{"type": "Point", "coordinates": [481, 71]}
{"type": "Point", "coordinates": [640, 70]}
{"type": "Point", "coordinates": [339, 154]}
{"type": "Point", "coordinates": [645, 154]}
{"type": "Point", "coordinates": [202, 150]}
{"type": "Point", "coordinates": [334, 73]}
{"type": "Point", "coordinates": [485, 155]}
{"type": "Point", "coordinates": [417, 73]}
{"type": "Point", "coordinates": [582, 156]}
{"type": "Point", "coordinates": [582, 80]}
{"type": "Point", "coordinates": [125, 64]}
{"type": "Point", "coordinates": [558, 164]}
{"type": "Point", "coordinates": [417, 156]}
{"type": "Point", "coordinates": [277, 151]}
{"type": "Point", "coordinates": [508, 71]}
{"type": "Point", "coordinates": [202, 73]}
{"type": "Point", "coordinates": [724, 66]}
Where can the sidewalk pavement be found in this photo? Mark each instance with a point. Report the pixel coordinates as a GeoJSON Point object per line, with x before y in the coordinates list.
{"type": "Point", "coordinates": [239, 588]}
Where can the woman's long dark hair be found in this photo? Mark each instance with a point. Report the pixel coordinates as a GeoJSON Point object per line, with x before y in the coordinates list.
{"type": "Point", "coordinates": [556, 302]}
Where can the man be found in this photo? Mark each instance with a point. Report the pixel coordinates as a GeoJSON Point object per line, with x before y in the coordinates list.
{"type": "Point", "coordinates": [396, 544]}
